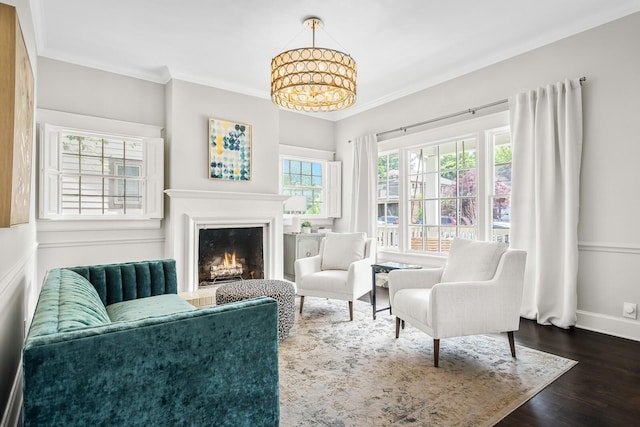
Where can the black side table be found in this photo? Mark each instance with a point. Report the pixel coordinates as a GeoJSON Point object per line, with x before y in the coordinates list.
{"type": "Point", "coordinates": [385, 267]}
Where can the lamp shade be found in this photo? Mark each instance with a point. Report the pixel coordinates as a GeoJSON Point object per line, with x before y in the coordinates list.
{"type": "Point", "coordinates": [296, 204]}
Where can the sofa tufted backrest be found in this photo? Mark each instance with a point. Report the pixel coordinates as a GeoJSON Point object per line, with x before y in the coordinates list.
{"type": "Point", "coordinates": [127, 281]}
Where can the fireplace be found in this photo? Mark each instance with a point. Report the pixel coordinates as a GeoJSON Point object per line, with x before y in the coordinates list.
{"type": "Point", "coordinates": [230, 253]}
{"type": "Point", "coordinates": [191, 211]}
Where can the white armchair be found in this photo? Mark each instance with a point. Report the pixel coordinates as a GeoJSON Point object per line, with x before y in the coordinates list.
{"type": "Point", "coordinates": [478, 291]}
{"type": "Point", "coordinates": [341, 270]}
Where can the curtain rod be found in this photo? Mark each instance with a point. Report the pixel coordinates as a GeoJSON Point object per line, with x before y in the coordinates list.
{"type": "Point", "coordinates": [448, 116]}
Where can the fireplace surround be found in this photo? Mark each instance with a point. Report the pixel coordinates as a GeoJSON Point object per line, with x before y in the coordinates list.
{"type": "Point", "coordinates": [193, 210]}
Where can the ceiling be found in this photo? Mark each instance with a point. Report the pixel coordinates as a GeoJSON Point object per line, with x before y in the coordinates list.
{"type": "Point", "coordinates": [401, 46]}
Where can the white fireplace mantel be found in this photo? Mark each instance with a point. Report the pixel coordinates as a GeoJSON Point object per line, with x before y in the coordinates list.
{"type": "Point", "coordinates": [191, 209]}
{"type": "Point", "coordinates": [224, 195]}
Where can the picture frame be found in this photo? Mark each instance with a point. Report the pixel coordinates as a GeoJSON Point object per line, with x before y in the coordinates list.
{"type": "Point", "coordinates": [16, 121]}
{"type": "Point", "coordinates": [229, 150]}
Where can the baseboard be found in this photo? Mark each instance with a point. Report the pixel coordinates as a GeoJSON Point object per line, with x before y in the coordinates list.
{"type": "Point", "coordinates": [14, 406]}
{"type": "Point", "coordinates": [610, 325]}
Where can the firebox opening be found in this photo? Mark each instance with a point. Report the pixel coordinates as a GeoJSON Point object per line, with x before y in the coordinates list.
{"type": "Point", "coordinates": [230, 254]}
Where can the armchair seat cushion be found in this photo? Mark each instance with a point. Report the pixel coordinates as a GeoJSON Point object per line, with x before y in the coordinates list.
{"type": "Point", "coordinates": [415, 303]}
{"type": "Point", "coordinates": [143, 308]}
{"type": "Point", "coordinates": [330, 281]}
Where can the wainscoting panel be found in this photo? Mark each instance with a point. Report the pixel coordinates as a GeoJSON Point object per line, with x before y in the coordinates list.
{"type": "Point", "coordinates": [16, 298]}
{"type": "Point", "coordinates": [101, 250]}
{"type": "Point", "coordinates": [608, 276]}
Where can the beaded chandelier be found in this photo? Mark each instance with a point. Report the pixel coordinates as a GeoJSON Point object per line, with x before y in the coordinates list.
{"type": "Point", "coordinates": [313, 79]}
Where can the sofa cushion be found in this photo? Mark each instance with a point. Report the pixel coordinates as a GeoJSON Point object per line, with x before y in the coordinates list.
{"type": "Point", "coordinates": [143, 308]}
{"type": "Point", "coordinates": [471, 260]}
{"type": "Point", "coordinates": [79, 304]}
{"type": "Point", "coordinates": [342, 249]}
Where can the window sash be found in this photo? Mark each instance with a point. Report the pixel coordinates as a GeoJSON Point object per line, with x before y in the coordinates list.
{"type": "Point", "coordinates": [305, 177]}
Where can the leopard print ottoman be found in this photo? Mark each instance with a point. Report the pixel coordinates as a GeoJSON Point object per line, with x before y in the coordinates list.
{"type": "Point", "coordinates": [280, 290]}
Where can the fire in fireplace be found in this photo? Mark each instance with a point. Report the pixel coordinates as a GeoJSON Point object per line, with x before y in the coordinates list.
{"type": "Point", "coordinates": [229, 267]}
{"type": "Point", "coordinates": [230, 253]}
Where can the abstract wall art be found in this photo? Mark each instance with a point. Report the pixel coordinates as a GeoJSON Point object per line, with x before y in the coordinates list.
{"type": "Point", "coordinates": [16, 121]}
{"type": "Point", "coordinates": [229, 150]}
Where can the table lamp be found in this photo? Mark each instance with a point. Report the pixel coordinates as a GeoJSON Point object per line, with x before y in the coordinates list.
{"type": "Point", "coordinates": [295, 205]}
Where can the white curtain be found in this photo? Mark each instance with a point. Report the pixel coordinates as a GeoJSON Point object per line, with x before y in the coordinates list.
{"type": "Point", "coordinates": [365, 181]}
{"type": "Point", "coordinates": [546, 129]}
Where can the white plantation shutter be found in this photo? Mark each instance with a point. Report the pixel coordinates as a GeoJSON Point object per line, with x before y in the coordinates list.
{"type": "Point", "coordinates": [51, 170]}
{"type": "Point", "coordinates": [154, 172]}
{"type": "Point", "coordinates": [49, 179]}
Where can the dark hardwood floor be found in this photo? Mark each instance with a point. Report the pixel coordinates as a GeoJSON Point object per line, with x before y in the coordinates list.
{"type": "Point", "coordinates": [603, 389]}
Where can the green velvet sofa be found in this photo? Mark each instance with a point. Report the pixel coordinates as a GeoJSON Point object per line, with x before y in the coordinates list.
{"type": "Point", "coordinates": [114, 345]}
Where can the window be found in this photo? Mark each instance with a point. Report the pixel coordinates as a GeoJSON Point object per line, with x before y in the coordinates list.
{"type": "Point", "coordinates": [95, 175]}
{"type": "Point", "coordinates": [304, 178]}
{"type": "Point", "coordinates": [312, 174]}
{"type": "Point", "coordinates": [448, 182]}
{"type": "Point", "coordinates": [388, 198]}
{"type": "Point", "coordinates": [443, 198]}
{"type": "Point", "coordinates": [501, 197]}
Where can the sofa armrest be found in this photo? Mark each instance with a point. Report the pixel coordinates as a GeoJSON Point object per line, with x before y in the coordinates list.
{"type": "Point", "coordinates": [219, 363]}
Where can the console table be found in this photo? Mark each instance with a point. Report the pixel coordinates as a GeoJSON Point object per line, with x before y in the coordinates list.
{"type": "Point", "coordinates": [385, 267]}
{"type": "Point", "coordinates": [298, 245]}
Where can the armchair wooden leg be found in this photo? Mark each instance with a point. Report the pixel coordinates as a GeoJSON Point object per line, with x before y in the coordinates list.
{"type": "Point", "coordinates": [397, 327]}
{"type": "Point", "coordinates": [512, 343]}
{"type": "Point", "coordinates": [351, 310]}
{"type": "Point", "coordinates": [436, 352]}
{"type": "Point", "coordinates": [301, 302]}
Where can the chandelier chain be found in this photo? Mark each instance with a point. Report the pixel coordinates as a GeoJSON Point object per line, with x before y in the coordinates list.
{"type": "Point", "coordinates": [286, 46]}
{"type": "Point", "coordinates": [342, 48]}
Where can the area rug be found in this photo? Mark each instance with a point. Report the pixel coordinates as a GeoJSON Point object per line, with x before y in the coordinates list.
{"type": "Point", "coordinates": [334, 372]}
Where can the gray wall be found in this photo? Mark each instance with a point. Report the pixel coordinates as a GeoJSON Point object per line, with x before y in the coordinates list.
{"type": "Point", "coordinates": [609, 232]}
{"type": "Point", "coordinates": [17, 266]}
{"type": "Point", "coordinates": [76, 89]}
{"type": "Point", "coordinates": [306, 131]}
{"type": "Point", "coordinates": [191, 106]}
